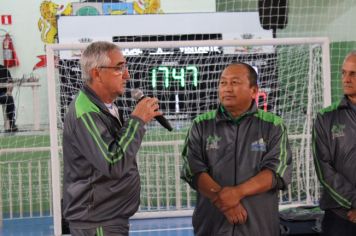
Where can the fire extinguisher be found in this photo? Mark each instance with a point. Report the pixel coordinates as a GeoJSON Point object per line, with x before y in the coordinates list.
{"type": "Point", "coordinates": [10, 57]}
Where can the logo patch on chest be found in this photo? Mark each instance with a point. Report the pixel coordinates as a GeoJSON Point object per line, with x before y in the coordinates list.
{"type": "Point", "coordinates": [212, 142]}
{"type": "Point", "coordinates": [338, 131]}
{"type": "Point", "coordinates": [258, 146]}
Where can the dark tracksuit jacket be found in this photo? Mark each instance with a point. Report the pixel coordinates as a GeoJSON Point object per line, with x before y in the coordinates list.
{"type": "Point", "coordinates": [334, 147]}
{"type": "Point", "coordinates": [5, 77]}
{"type": "Point", "coordinates": [232, 151]}
{"type": "Point", "coordinates": [8, 100]}
{"type": "Point", "coordinates": [101, 183]}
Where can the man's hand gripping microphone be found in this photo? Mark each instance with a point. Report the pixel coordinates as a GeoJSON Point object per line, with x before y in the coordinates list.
{"type": "Point", "coordinates": [138, 95]}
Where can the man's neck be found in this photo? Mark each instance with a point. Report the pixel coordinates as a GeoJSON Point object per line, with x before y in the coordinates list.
{"type": "Point", "coordinates": [236, 114]}
{"type": "Point", "coordinates": [103, 96]}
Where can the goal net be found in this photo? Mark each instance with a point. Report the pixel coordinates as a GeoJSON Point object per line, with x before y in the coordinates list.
{"type": "Point", "coordinates": [294, 83]}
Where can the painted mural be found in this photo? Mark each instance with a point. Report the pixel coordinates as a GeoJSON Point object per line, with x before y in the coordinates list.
{"type": "Point", "coordinates": [117, 8]}
{"type": "Point", "coordinates": [47, 24]}
{"type": "Point", "coordinates": [147, 7]}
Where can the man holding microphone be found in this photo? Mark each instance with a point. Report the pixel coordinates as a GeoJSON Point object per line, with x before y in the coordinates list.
{"type": "Point", "coordinates": [101, 186]}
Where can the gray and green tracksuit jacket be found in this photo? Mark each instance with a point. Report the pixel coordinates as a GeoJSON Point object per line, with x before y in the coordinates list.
{"type": "Point", "coordinates": [232, 151]}
{"type": "Point", "coordinates": [101, 183]}
{"type": "Point", "coordinates": [334, 146]}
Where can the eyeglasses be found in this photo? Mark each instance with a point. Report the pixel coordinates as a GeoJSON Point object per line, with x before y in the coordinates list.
{"type": "Point", "coordinates": [118, 69]}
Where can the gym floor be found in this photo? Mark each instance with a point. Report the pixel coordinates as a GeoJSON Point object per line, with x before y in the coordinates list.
{"type": "Point", "coordinates": [180, 226]}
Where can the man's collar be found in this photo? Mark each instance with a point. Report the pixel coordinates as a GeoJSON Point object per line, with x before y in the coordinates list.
{"type": "Point", "coordinates": [94, 97]}
{"type": "Point", "coordinates": [346, 103]}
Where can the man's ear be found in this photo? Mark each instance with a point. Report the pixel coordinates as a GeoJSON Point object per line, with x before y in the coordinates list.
{"type": "Point", "coordinates": [95, 75]}
{"type": "Point", "coordinates": [254, 91]}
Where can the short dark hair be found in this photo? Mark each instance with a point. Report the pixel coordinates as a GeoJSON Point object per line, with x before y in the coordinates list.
{"type": "Point", "coordinates": [252, 74]}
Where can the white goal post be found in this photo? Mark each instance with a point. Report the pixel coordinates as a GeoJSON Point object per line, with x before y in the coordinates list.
{"type": "Point", "coordinates": [294, 81]}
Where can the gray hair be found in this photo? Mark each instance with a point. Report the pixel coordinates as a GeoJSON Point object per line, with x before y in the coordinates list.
{"type": "Point", "coordinates": [350, 54]}
{"type": "Point", "coordinates": [96, 55]}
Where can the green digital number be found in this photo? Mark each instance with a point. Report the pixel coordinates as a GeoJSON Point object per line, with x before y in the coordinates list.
{"type": "Point", "coordinates": [180, 74]}
{"type": "Point", "coordinates": [194, 70]}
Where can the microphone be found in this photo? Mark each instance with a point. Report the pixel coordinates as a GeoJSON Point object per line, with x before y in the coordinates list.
{"type": "Point", "coordinates": [138, 95]}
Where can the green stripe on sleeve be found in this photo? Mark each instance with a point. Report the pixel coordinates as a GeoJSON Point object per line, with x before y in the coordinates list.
{"type": "Point", "coordinates": [124, 136]}
{"type": "Point", "coordinates": [97, 138]}
{"type": "Point", "coordinates": [126, 140]}
{"type": "Point", "coordinates": [99, 231]}
{"type": "Point", "coordinates": [135, 126]}
{"type": "Point", "coordinates": [96, 131]}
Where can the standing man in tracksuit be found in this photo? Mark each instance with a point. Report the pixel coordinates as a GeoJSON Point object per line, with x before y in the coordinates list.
{"type": "Point", "coordinates": [7, 99]}
{"type": "Point", "coordinates": [334, 145]}
{"type": "Point", "coordinates": [237, 158]}
{"type": "Point", "coordinates": [101, 186]}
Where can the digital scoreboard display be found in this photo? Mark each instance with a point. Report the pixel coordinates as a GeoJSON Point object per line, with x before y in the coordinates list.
{"type": "Point", "coordinates": [183, 75]}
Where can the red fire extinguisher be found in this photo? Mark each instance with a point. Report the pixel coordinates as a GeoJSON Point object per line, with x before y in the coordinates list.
{"type": "Point", "coordinates": [10, 57]}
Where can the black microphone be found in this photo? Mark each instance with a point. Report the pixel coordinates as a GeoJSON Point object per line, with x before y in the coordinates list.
{"type": "Point", "coordinates": [138, 95]}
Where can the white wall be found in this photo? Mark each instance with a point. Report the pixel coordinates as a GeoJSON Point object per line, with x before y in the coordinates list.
{"type": "Point", "coordinates": [28, 45]}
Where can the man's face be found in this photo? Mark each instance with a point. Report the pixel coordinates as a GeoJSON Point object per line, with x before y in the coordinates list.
{"type": "Point", "coordinates": [235, 92]}
{"type": "Point", "coordinates": [115, 75]}
{"type": "Point", "coordinates": [349, 76]}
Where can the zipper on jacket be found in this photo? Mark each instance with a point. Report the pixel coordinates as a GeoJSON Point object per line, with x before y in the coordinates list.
{"type": "Point", "coordinates": [235, 163]}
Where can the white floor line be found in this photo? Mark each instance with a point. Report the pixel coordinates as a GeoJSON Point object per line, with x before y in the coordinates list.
{"type": "Point", "coordinates": [160, 230]}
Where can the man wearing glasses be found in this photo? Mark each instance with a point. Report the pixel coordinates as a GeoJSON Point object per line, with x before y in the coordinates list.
{"type": "Point", "coordinates": [334, 147]}
{"type": "Point", "coordinates": [101, 184]}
